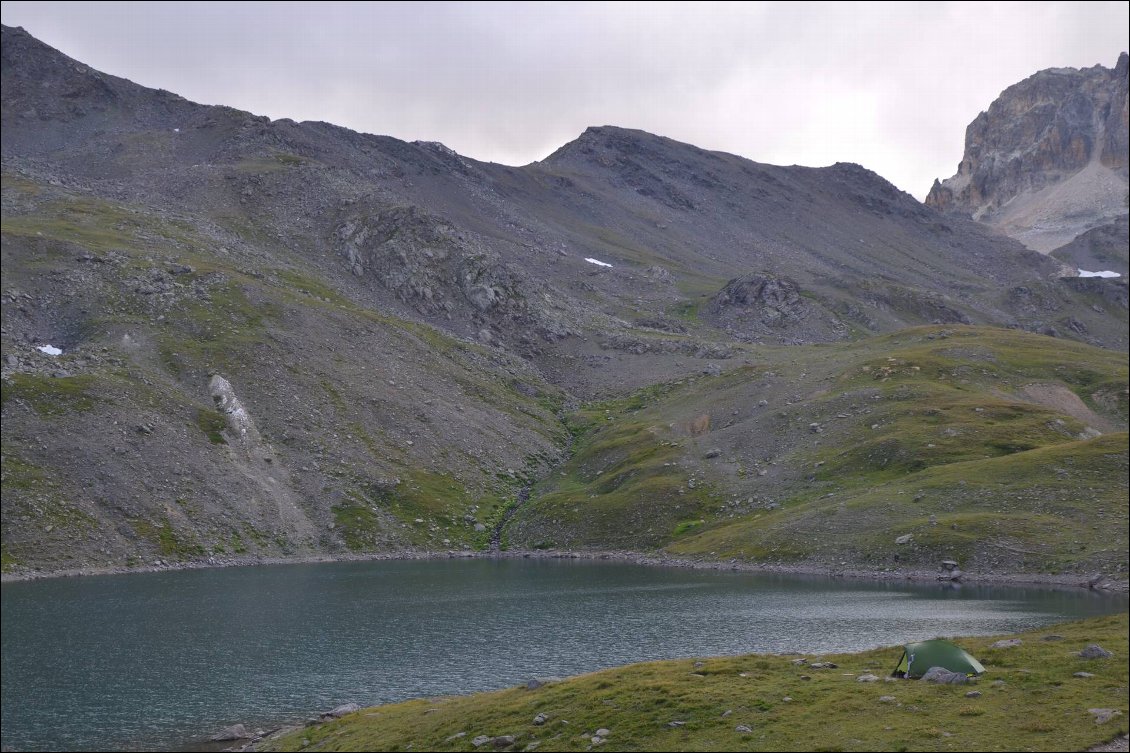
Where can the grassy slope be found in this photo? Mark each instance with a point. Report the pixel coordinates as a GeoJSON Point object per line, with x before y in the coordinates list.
{"type": "Point", "coordinates": [932, 432]}
{"type": "Point", "coordinates": [1040, 706]}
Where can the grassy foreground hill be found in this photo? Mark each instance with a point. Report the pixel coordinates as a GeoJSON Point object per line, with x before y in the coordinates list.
{"type": "Point", "coordinates": [1030, 698]}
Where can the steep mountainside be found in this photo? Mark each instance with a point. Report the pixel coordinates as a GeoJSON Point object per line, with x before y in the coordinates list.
{"type": "Point", "coordinates": [1048, 160]}
{"type": "Point", "coordinates": [284, 338]}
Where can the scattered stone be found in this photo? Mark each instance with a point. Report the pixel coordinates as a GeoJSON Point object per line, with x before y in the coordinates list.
{"type": "Point", "coordinates": [887, 699]}
{"type": "Point", "coordinates": [798, 662]}
{"type": "Point", "coordinates": [712, 453]}
{"type": "Point", "coordinates": [1095, 651]}
{"type": "Point", "coordinates": [906, 538]}
{"type": "Point", "coordinates": [533, 745]}
{"type": "Point", "coordinates": [973, 694]}
{"type": "Point", "coordinates": [480, 527]}
{"type": "Point", "coordinates": [1084, 675]}
{"type": "Point", "coordinates": [743, 729]}
{"type": "Point", "coordinates": [456, 736]}
{"type": "Point", "coordinates": [727, 712]}
{"type": "Point", "coordinates": [1009, 643]}
{"type": "Point", "coordinates": [540, 719]}
{"type": "Point", "coordinates": [1102, 716]}
{"type": "Point", "coordinates": [997, 684]}
{"type": "Point", "coordinates": [603, 732]}
{"type": "Point", "coordinates": [234, 732]}
{"type": "Point", "coordinates": [867, 678]}
{"type": "Point", "coordinates": [480, 740]}
{"type": "Point", "coordinates": [675, 724]}
{"type": "Point", "coordinates": [952, 575]}
{"type": "Point", "coordinates": [787, 699]}
{"type": "Point", "coordinates": [502, 741]}
{"type": "Point", "coordinates": [342, 710]}
{"type": "Point", "coordinates": [824, 665]}
{"type": "Point", "coordinates": [805, 677]}
{"type": "Point", "coordinates": [943, 676]}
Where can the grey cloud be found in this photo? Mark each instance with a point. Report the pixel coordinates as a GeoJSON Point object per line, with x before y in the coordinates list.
{"type": "Point", "coordinates": [891, 86]}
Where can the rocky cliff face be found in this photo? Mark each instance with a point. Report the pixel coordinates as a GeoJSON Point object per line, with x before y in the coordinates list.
{"type": "Point", "coordinates": [1048, 160]}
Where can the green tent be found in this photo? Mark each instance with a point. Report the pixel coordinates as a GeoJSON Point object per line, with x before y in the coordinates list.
{"type": "Point", "coordinates": [917, 658]}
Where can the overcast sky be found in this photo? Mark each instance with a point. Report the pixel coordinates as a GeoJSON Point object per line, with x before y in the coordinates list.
{"type": "Point", "coordinates": [890, 86]}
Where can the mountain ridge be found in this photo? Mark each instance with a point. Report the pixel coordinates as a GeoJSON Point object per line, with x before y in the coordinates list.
{"type": "Point", "coordinates": [412, 332]}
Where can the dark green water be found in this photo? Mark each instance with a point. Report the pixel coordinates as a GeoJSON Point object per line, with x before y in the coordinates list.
{"type": "Point", "coordinates": [157, 660]}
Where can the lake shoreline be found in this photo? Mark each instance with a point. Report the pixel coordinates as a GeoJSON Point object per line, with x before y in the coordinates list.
{"type": "Point", "coordinates": [851, 572]}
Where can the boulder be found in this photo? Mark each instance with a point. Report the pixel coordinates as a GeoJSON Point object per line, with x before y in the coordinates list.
{"type": "Point", "coordinates": [342, 710]}
{"type": "Point", "coordinates": [943, 676]}
{"type": "Point", "coordinates": [234, 732]}
{"type": "Point", "coordinates": [1095, 651]}
{"type": "Point", "coordinates": [1102, 716]}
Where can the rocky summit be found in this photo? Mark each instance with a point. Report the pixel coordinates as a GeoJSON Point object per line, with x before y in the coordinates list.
{"type": "Point", "coordinates": [226, 337]}
{"type": "Point", "coordinates": [1048, 160]}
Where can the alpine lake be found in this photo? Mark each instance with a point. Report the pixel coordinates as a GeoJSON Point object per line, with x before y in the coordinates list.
{"type": "Point", "coordinates": [153, 661]}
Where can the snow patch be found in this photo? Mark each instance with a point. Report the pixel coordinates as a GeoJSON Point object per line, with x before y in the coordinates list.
{"type": "Point", "coordinates": [1104, 273]}
{"type": "Point", "coordinates": [597, 262]}
{"type": "Point", "coordinates": [50, 350]}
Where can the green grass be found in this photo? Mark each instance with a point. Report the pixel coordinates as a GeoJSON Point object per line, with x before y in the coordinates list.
{"type": "Point", "coordinates": [1060, 508]}
{"type": "Point", "coordinates": [94, 224]}
{"type": "Point", "coordinates": [358, 525]}
{"type": "Point", "coordinates": [50, 396]}
{"type": "Point", "coordinates": [1039, 706]}
{"type": "Point", "coordinates": [166, 540]}
{"type": "Point", "coordinates": [927, 432]}
{"type": "Point", "coordinates": [622, 487]}
{"type": "Point", "coordinates": [213, 424]}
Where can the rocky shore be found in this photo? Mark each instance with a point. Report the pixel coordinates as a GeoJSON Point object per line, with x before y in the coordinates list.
{"type": "Point", "coordinates": [655, 559]}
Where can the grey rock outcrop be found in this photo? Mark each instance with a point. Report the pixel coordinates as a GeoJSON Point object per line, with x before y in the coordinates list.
{"type": "Point", "coordinates": [1048, 159]}
{"type": "Point", "coordinates": [764, 304]}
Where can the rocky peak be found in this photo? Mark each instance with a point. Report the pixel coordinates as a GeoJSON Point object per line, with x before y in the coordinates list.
{"type": "Point", "coordinates": [1048, 159]}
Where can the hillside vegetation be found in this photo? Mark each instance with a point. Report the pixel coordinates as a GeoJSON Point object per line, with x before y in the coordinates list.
{"type": "Point", "coordinates": [975, 444]}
